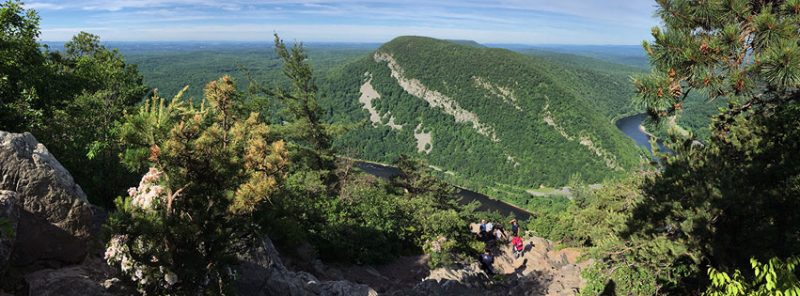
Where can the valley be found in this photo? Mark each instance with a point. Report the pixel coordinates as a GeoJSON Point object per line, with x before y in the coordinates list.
{"type": "Point", "coordinates": [484, 133]}
{"type": "Point", "coordinates": [169, 148]}
{"type": "Point", "coordinates": [484, 130]}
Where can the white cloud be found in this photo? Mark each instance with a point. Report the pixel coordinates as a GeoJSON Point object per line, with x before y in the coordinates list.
{"type": "Point", "coordinates": [512, 21]}
{"type": "Point", "coordinates": [43, 6]}
{"type": "Point", "coordinates": [327, 33]}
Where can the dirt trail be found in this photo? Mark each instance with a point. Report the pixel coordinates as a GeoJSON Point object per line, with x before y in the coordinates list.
{"type": "Point", "coordinates": [542, 270]}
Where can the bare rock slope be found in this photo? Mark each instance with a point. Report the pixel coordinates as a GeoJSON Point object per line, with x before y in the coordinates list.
{"type": "Point", "coordinates": [54, 217]}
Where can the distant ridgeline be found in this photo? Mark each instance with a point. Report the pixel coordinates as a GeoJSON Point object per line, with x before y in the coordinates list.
{"type": "Point", "coordinates": [487, 117]}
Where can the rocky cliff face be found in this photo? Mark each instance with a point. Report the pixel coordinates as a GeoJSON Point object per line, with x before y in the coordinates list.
{"type": "Point", "coordinates": [9, 218]}
{"type": "Point", "coordinates": [54, 217]}
{"type": "Point", "coordinates": [263, 273]}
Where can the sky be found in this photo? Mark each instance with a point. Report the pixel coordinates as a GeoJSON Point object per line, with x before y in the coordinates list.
{"type": "Point", "coordinates": [485, 21]}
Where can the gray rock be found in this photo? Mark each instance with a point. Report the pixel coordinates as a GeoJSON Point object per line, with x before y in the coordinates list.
{"type": "Point", "coordinates": [93, 277]}
{"type": "Point", "coordinates": [69, 281]}
{"type": "Point", "coordinates": [8, 227]}
{"type": "Point", "coordinates": [54, 216]}
{"type": "Point", "coordinates": [261, 272]}
{"type": "Point", "coordinates": [344, 288]}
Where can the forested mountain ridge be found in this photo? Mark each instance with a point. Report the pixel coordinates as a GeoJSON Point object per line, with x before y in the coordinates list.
{"type": "Point", "coordinates": [486, 116]}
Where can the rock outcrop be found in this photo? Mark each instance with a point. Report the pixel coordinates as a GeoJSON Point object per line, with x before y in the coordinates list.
{"type": "Point", "coordinates": [54, 215]}
{"type": "Point", "coordinates": [92, 278]}
{"type": "Point", "coordinates": [8, 227]}
{"type": "Point", "coordinates": [262, 273]}
{"type": "Point", "coordinates": [542, 270]}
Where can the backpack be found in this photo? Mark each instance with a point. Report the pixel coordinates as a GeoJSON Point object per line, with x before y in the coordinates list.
{"type": "Point", "coordinates": [517, 242]}
{"type": "Point", "coordinates": [487, 259]}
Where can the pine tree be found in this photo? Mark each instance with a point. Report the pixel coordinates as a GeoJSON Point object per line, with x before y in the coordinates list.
{"type": "Point", "coordinates": [745, 52]}
{"type": "Point", "coordinates": [212, 169]}
{"type": "Point", "coordinates": [309, 137]}
{"type": "Point", "coordinates": [734, 197]}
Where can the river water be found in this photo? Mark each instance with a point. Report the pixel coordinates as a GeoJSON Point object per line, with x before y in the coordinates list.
{"type": "Point", "coordinates": [630, 126]}
{"type": "Point", "coordinates": [467, 196]}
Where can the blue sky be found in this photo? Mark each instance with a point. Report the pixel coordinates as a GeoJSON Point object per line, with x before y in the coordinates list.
{"type": "Point", "coordinates": [511, 21]}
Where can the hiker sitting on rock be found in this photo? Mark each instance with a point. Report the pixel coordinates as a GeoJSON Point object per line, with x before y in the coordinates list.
{"type": "Point", "coordinates": [517, 246]}
{"type": "Point", "coordinates": [486, 261]}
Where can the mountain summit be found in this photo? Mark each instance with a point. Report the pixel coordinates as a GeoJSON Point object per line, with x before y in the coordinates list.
{"type": "Point", "coordinates": [485, 116]}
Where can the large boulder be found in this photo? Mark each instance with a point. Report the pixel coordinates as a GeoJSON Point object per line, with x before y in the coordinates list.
{"type": "Point", "coordinates": [8, 226]}
{"type": "Point", "coordinates": [262, 272]}
{"type": "Point", "coordinates": [55, 217]}
{"type": "Point", "coordinates": [91, 278]}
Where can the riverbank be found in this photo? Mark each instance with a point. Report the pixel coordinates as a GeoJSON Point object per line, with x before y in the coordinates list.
{"type": "Point", "coordinates": [467, 195]}
{"type": "Point", "coordinates": [644, 130]}
{"type": "Point", "coordinates": [633, 127]}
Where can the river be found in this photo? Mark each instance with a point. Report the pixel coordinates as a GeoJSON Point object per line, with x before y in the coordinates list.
{"type": "Point", "coordinates": [467, 196]}
{"type": "Point", "coordinates": [630, 126]}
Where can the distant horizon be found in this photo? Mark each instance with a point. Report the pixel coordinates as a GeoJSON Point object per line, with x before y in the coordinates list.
{"type": "Point", "coordinates": [338, 42]}
{"type": "Point", "coordinates": [525, 22]}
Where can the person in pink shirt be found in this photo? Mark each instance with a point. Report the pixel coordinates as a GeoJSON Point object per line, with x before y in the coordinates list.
{"type": "Point", "coordinates": [517, 246]}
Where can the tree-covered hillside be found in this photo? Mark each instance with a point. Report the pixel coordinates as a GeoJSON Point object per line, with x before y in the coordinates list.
{"type": "Point", "coordinates": [622, 62]}
{"type": "Point", "coordinates": [493, 116]}
{"type": "Point", "coordinates": [170, 71]}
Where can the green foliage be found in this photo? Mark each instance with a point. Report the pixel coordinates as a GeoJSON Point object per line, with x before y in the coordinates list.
{"type": "Point", "coordinates": [372, 221]}
{"type": "Point", "coordinates": [732, 198]}
{"type": "Point", "coordinates": [69, 100]}
{"type": "Point", "coordinates": [85, 128]}
{"type": "Point", "coordinates": [309, 136]}
{"type": "Point", "coordinates": [625, 263]}
{"type": "Point", "coordinates": [775, 277]}
{"type": "Point", "coordinates": [302, 97]}
{"type": "Point", "coordinates": [212, 170]}
{"type": "Point", "coordinates": [348, 216]}
{"type": "Point", "coordinates": [740, 51]}
{"type": "Point", "coordinates": [22, 68]}
{"type": "Point", "coordinates": [182, 64]}
{"type": "Point", "coordinates": [529, 152]}
{"type": "Point", "coordinates": [605, 84]}
{"type": "Point", "coordinates": [746, 178]}
{"type": "Point", "coordinates": [715, 204]}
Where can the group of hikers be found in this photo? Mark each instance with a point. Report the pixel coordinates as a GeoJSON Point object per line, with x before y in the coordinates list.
{"type": "Point", "coordinates": [492, 234]}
